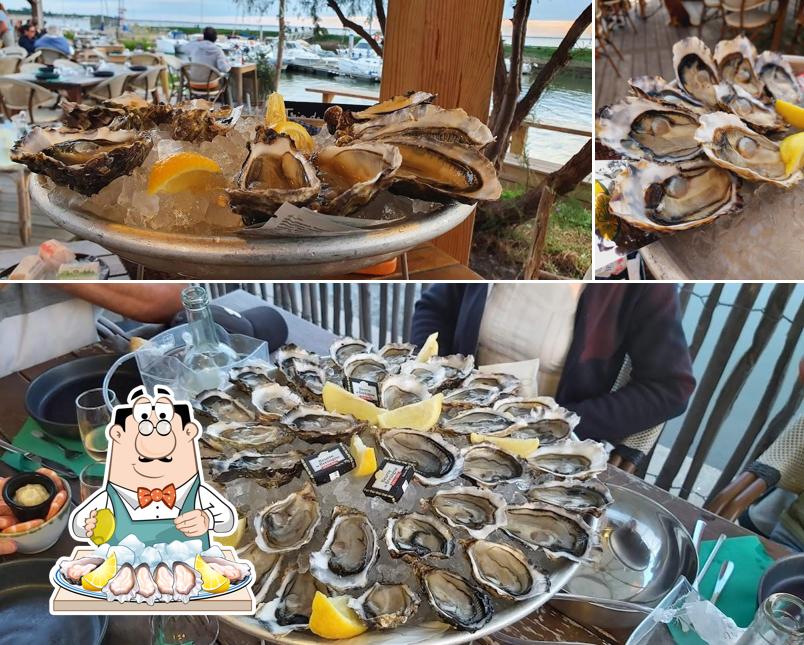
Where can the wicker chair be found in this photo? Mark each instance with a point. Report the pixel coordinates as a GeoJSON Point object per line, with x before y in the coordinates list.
{"type": "Point", "coordinates": [148, 82]}
{"type": "Point", "coordinates": [17, 95]}
{"type": "Point", "coordinates": [111, 88]}
{"type": "Point", "coordinates": [9, 65]}
{"type": "Point", "coordinates": [32, 57]}
{"type": "Point", "coordinates": [144, 58]}
{"type": "Point", "coordinates": [15, 50]}
{"type": "Point", "coordinates": [745, 16]}
{"type": "Point", "coordinates": [66, 63]}
{"type": "Point", "coordinates": [49, 56]}
{"type": "Point", "coordinates": [202, 82]}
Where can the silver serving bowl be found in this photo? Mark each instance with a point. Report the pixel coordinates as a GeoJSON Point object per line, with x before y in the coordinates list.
{"type": "Point", "coordinates": [235, 257]}
{"type": "Point", "coordinates": [645, 550]}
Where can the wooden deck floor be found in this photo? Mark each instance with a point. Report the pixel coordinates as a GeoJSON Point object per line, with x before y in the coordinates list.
{"type": "Point", "coordinates": [43, 228]}
{"type": "Point", "coordinates": [648, 50]}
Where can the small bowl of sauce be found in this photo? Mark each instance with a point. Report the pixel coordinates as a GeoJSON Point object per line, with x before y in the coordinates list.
{"type": "Point", "coordinates": [28, 495]}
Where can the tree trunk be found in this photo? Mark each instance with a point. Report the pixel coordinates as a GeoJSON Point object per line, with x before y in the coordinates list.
{"type": "Point", "coordinates": [539, 234]}
{"type": "Point", "coordinates": [358, 29]}
{"type": "Point", "coordinates": [36, 12]}
{"type": "Point", "coordinates": [280, 44]}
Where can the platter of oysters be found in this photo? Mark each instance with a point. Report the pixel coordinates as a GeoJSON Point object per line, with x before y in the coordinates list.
{"type": "Point", "coordinates": [386, 178]}
{"type": "Point", "coordinates": [696, 143]}
{"type": "Point", "coordinates": [460, 527]}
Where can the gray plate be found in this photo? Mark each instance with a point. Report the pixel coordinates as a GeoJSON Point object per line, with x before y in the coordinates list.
{"type": "Point", "coordinates": [785, 575]}
{"type": "Point", "coordinates": [236, 257]}
{"type": "Point", "coordinates": [25, 617]}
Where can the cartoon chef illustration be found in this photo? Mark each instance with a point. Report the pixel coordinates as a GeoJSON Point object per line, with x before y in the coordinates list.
{"type": "Point", "coordinates": [153, 485]}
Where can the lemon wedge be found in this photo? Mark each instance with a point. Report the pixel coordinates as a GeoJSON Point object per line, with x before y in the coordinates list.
{"type": "Point", "coordinates": [429, 349]}
{"type": "Point", "coordinates": [104, 527]}
{"type": "Point", "coordinates": [234, 539]}
{"type": "Point", "coordinates": [332, 618]}
{"type": "Point", "coordinates": [182, 171]}
{"type": "Point", "coordinates": [519, 447]}
{"type": "Point", "coordinates": [337, 399]}
{"type": "Point", "coordinates": [211, 580]}
{"type": "Point", "coordinates": [416, 416]}
{"type": "Point", "coordinates": [301, 138]}
{"type": "Point", "coordinates": [791, 149]}
{"type": "Point", "coordinates": [791, 113]}
{"type": "Point", "coordinates": [365, 457]}
{"type": "Point", "coordinates": [97, 579]}
{"type": "Point", "coordinates": [275, 110]}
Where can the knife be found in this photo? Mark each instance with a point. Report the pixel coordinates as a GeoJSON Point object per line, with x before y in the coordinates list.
{"type": "Point", "coordinates": [55, 466]}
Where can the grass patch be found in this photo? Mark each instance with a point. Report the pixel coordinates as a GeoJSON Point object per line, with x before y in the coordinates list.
{"type": "Point", "coordinates": [541, 53]}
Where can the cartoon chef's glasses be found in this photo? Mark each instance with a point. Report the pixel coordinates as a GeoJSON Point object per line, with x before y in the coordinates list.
{"type": "Point", "coordinates": [163, 412]}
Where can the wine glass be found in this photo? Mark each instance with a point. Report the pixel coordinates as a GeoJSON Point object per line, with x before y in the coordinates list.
{"type": "Point", "coordinates": [91, 479]}
{"type": "Point", "coordinates": [184, 630]}
{"type": "Point", "coordinates": [93, 417]}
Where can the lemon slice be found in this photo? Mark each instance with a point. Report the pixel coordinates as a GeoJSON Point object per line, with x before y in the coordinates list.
{"type": "Point", "coordinates": [104, 527]}
{"type": "Point", "coordinates": [96, 579]}
{"type": "Point", "coordinates": [429, 349]}
{"type": "Point", "coordinates": [332, 618]}
{"type": "Point", "coordinates": [182, 171]}
{"type": "Point", "coordinates": [211, 580]}
{"type": "Point", "coordinates": [791, 149]}
{"type": "Point", "coordinates": [234, 539]}
{"type": "Point", "coordinates": [301, 138]}
{"type": "Point", "coordinates": [275, 110]}
{"type": "Point", "coordinates": [337, 399]}
{"type": "Point", "coordinates": [365, 457]}
{"type": "Point", "coordinates": [791, 113]}
{"type": "Point", "coordinates": [416, 416]}
{"type": "Point", "coordinates": [519, 447]}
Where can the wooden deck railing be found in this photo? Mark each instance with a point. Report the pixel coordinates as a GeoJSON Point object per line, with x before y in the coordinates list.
{"type": "Point", "coordinates": [520, 135]}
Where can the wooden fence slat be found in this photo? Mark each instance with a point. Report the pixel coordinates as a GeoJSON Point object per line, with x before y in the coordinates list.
{"type": "Point", "coordinates": [395, 288]}
{"type": "Point", "coordinates": [383, 314]}
{"type": "Point", "coordinates": [323, 294]}
{"type": "Point", "coordinates": [304, 291]}
{"type": "Point", "coordinates": [407, 309]}
{"type": "Point", "coordinates": [314, 308]}
{"type": "Point", "coordinates": [294, 301]}
{"type": "Point", "coordinates": [365, 311]}
{"type": "Point", "coordinates": [687, 289]}
{"type": "Point", "coordinates": [692, 420]}
{"type": "Point", "coordinates": [735, 381]}
{"type": "Point", "coordinates": [780, 421]}
{"type": "Point", "coordinates": [277, 290]}
{"type": "Point", "coordinates": [337, 302]}
{"type": "Point", "coordinates": [702, 328]}
{"type": "Point", "coordinates": [347, 309]}
{"type": "Point", "coordinates": [738, 459]}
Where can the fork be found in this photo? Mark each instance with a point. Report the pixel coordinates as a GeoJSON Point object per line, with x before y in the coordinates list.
{"type": "Point", "coordinates": [68, 453]}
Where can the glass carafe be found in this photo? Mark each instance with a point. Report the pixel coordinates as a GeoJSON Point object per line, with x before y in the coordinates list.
{"type": "Point", "coordinates": [778, 621]}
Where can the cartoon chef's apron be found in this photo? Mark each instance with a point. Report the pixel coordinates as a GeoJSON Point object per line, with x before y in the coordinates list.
{"type": "Point", "coordinates": [152, 532]}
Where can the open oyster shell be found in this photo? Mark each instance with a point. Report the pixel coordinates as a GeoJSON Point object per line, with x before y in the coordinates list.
{"type": "Point", "coordinates": [245, 435]}
{"type": "Point", "coordinates": [480, 420]}
{"type": "Point", "coordinates": [347, 346]}
{"type": "Point", "coordinates": [488, 465]}
{"type": "Point", "coordinates": [469, 396]}
{"type": "Point", "coordinates": [696, 72]}
{"type": "Point", "coordinates": [399, 390]}
{"type": "Point", "coordinates": [369, 367]}
{"type": "Point", "coordinates": [289, 523]}
{"type": "Point", "coordinates": [559, 533]}
{"type": "Point", "coordinates": [431, 375]}
{"type": "Point", "coordinates": [478, 511]}
{"type": "Point", "coordinates": [735, 60]}
{"type": "Point", "coordinates": [291, 607]}
{"type": "Point", "coordinates": [386, 606]}
{"type": "Point", "coordinates": [221, 406]}
{"type": "Point", "coordinates": [575, 459]}
{"type": "Point", "coordinates": [315, 424]}
{"type": "Point", "coordinates": [271, 470]}
{"type": "Point", "coordinates": [549, 426]}
{"type": "Point", "coordinates": [778, 77]}
{"type": "Point", "coordinates": [266, 569]}
{"type": "Point", "coordinates": [349, 551]}
{"type": "Point", "coordinates": [397, 353]}
{"type": "Point", "coordinates": [755, 113]}
{"type": "Point", "coordinates": [507, 384]}
{"type": "Point", "coordinates": [589, 496]}
{"type": "Point", "coordinates": [522, 407]}
{"type": "Point", "coordinates": [249, 377]}
{"type": "Point", "coordinates": [434, 459]}
{"type": "Point", "coordinates": [658, 89]}
{"type": "Point", "coordinates": [273, 401]}
{"type": "Point", "coordinates": [419, 535]}
{"type": "Point", "coordinates": [505, 570]}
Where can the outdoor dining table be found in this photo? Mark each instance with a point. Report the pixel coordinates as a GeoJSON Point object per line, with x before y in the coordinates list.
{"type": "Point", "coordinates": [546, 624]}
{"type": "Point", "coordinates": [236, 75]}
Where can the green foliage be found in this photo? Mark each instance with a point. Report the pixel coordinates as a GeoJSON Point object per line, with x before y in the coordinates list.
{"type": "Point", "coordinates": [132, 44]}
{"type": "Point", "coordinates": [69, 35]}
{"type": "Point", "coordinates": [542, 54]}
{"type": "Point", "coordinates": [266, 73]}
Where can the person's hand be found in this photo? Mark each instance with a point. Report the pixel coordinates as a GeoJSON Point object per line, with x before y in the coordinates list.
{"type": "Point", "coordinates": [193, 524]}
{"type": "Point", "coordinates": [7, 547]}
{"type": "Point", "coordinates": [90, 523]}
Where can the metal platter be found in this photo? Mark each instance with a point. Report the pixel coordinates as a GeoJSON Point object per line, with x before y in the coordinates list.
{"type": "Point", "coordinates": [233, 257]}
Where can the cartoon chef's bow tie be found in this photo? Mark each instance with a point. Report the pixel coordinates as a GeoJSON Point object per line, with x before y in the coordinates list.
{"type": "Point", "coordinates": [147, 495]}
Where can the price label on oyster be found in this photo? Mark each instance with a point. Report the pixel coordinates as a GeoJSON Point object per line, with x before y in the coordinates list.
{"type": "Point", "coordinates": [391, 481]}
{"type": "Point", "coordinates": [328, 465]}
{"type": "Point", "coordinates": [366, 390]}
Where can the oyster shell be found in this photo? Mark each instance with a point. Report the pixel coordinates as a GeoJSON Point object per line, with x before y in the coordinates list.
{"type": "Point", "coordinates": [291, 607]}
{"type": "Point", "coordinates": [431, 375]}
{"type": "Point", "coordinates": [754, 112]}
{"type": "Point", "coordinates": [352, 175]}
{"type": "Point", "coordinates": [480, 420]}
{"type": "Point", "coordinates": [419, 535]}
{"type": "Point", "coordinates": [576, 459]}
{"type": "Point", "coordinates": [273, 173]}
{"type": "Point", "coordinates": [197, 121]}
{"type": "Point", "coordinates": [504, 570]}
{"type": "Point", "coordinates": [287, 354]}
{"type": "Point", "coordinates": [523, 408]}
{"type": "Point", "coordinates": [74, 570]}
{"type": "Point", "coordinates": [242, 435]}
{"type": "Point", "coordinates": [778, 77]}
{"type": "Point", "coordinates": [477, 510]}
{"type": "Point", "coordinates": [266, 569]}
{"type": "Point", "coordinates": [349, 551]}
{"type": "Point", "coordinates": [368, 367]}
{"type": "Point", "coordinates": [666, 197]}
{"type": "Point", "coordinates": [551, 426]}
{"type": "Point", "coordinates": [220, 406]}
{"type": "Point", "coordinates": [270, 469]}
{"type": "Point", "coordinates": [402, 389]}
{"type": "Point", "coordinates": [397, 353]}
{"type": "Point", "coordinates": [84, 160]}
{"type": "Point", "coordinates": [308, 378]}
{"type": "Point", "coordinates": [393, 105]}
{"type": "Point", "coordinates": [288, 524]}
{"type": "Point", "coordinates": [469, 396]}
{"type": "Point", "coordinates": [456, 367]}
{"type": "Point", "coordinates": [735, 60]}
{"type": "Point", "coordinates": [146, 587]}
{"type": "Point", "coordinates": [314, 424]}
{"type": "Point", "coordinates": [123, 586]}
{"type": "Point", "coordinates": [696, 72]}
{"type": "Point", "coordinates": [487, 465]}
{"type": "Point", "coordinates": [249, 377]}
{"type": "Point", "coordinates": [731, 144]}
{"type": "Point", "coordinates": [454, 598]}
{"type": "Point", "coordinates": [435, 460]}
{"type": "Point", "coordinates": [578, 496]}
{"type": "Point", "coordinates": [273, 401]}
{"type": "Point", "coordinates": [639, 128]}
{"type": "Point", "coordinates": [658, 89]}
{"type": "Point", "coordinates": [346, 347]}
{"type": "Point", "coordinates": [386, 606]}
{"type": "Point", "coordinates": [559, 533]}
{"type": "Point", "coordinates": [507, 384]}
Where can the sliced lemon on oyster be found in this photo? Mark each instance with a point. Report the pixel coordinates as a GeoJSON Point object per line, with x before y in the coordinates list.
{"type": "Point", "coordinates": [275, 110]}
{"type": "Point", "coordinates": [182, 171]}
{"type": "Point", "coordinates": [332, 618]}
{"type": "Point", "coordinates": [519, 447]}
{"type": "Point", "coordinates": [337, 399]}
{"type": "Point", "coordinates": [790, 112]}
{"type": "Point", "coordinates": [791, 150]}
{"type": "Point", "coordinates": [211, 580]}
{"type": "Point", "coordinates": [416, 416]}
{"type": "Point", "coordinates": [429, 349]}
{"type": "Point", "coordinates": [365, 456]}
{"type": "Point", "coordinates": [96, 579]}
{"type": "Point", "coordinates": [301, 138]}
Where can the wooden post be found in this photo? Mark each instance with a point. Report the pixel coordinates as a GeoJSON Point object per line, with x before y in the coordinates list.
{"type": "Point", "coordinates": [447, 47]}
{"type": "Point", "coordinates": [540, 225]}
{"type": "Point", "coordinates": [517, 146]}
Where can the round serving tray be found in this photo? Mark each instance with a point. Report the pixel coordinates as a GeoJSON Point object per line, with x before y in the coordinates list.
{"type": "Point", "coordinates": [237, 257]}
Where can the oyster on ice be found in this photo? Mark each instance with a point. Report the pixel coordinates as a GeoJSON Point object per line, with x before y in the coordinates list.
{"type": "Point", "coordinates": [269, 469]}
{"type": "Point", "coordinates": [469, 396]}
{"type": "Point", "coordinates": [559, 533]}
{"type": "Point", "coordinates": [370, 367]}
{"type": "Point", "coordinates": [735, 60]}
{"type": "Point", "coordinates": [576, 459]}
{"type": "Point", "coordinates": [579, 496]}
{"type": "Point", "coordinates": [434, 459]}
{"type": "Point", "coordinates": [454, 598]}
{"type": "Point", "coordinates": [731, 144]}
{"type": "Point", "coordinates": [84, 160]}
{"type": "Point", "coordinates": [402, 389]}
{"type": "Point", "coordinates": [520, 407]}
{"type": "Point", "coordinates": [658, 89]}
{"type": "Point", "coordinates": [266, 569]}
{"type": "Point", "coordinates": [349, 551]}
{"type": "Point", "coordinates": [287, 355]}
{"type": "Point", "coordinates": [288, 524]}
{"type": "Point", "coordinates": [487, 465]}
{"type": "Point", "coordinates": [419, 535]}
{"type": "Point", "coordinates": [668, 197]}
{"type": "Point", "coordinates": [308, 378]}
{"type": "Point", "coordinates": [504, 570]}
{"type": "Point", "coordinates": [249, 377]}
{"type": "Point", "coordinates": [273, 401]}
{"type": "Point", "coordinates": [346, 347]}
{"type": "Point", "coordinates": [397, 353]}
{"type": "Point", "coordinates": [291, 608]}
{"type": "Point", "coordinates": [199, 121]}
{"type": "Point", "coordinates": [480, 420]}
{"type": "Point", "coordinates": [273, 173]}
{"type": "Point", "coordinates": [220, 406]}
{"type": "Point", "coordinates": [385, 606]}
{"type": "Point", "coordinates": [477, 510]}
{"type": "Point", "coordinates": [777, 75]}
{"type": "Point", "coordinates": [755, 113]}
{"type": "Point", "coordinates": [431, 375]}
{"type": "Point", "coordinates": [507, 384]}
{"type": "Point", "coordinates": [696, 72]}
{"type": "Point", "coordinates": [456, 366]}
{"type": "Point", "coordinates": [316, 425]}
{"type": "Point", "coordinates": [244, 435]}
{"type": "Point", "coordinates": [352, 175]}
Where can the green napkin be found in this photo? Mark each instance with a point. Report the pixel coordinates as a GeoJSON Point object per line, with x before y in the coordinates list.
{"type": "Point", "coordinates": [739, 598]}
{"type": "Point", "coordinates": [27, 441]}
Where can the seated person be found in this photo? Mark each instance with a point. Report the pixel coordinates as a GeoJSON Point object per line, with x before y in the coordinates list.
{"type": "Point", "coordinates": [54, 40]}
{"type": "Point", "coordinates": [6, 30]}
{"type": "Point", "coordinates": [207, 52]}
{"type": "Point", "coordinates": [28, 38]}
{"type": "Point", "coordinates": [581, 335]}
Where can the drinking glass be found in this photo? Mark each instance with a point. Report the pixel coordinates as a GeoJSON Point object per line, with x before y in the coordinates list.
{"type": "Point", "coordinates": [184, 630]}
{"type": "Point", "coordinates": [93, 417]}
{"type": "Point", "coordinates": [91, 479]}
